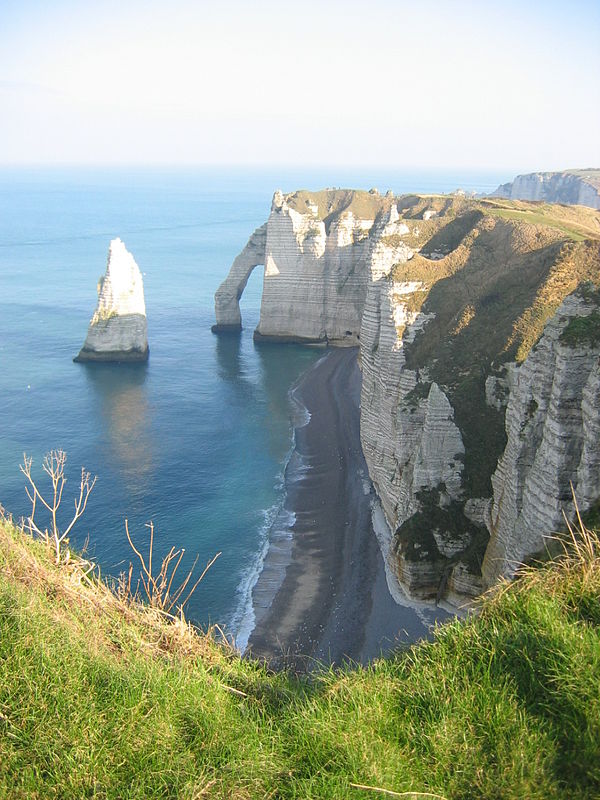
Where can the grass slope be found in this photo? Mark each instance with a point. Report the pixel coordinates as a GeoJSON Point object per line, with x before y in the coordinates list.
{"type": "Point", "coordinates": [99, 698]}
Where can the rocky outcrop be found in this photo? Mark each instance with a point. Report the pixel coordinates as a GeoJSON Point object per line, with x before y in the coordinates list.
{"type": "Point", "coordinates": [577, 187]}
{"type": "Point", "coordinates": [446, 295]}
{"type": "Point", "coordinates": [118, 330]}
{"type": "Point", "coordinates": [412, 444]}
{"type": "Point", "coordinates": [553, 429]}
{"type": "Point", "coordinates": [227, 297]}
{"type": "Point", "coordinates": [313, 249]}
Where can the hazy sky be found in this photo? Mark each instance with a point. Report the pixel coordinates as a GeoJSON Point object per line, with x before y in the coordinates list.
{"type": "Point", "coordinates": [428, 83]}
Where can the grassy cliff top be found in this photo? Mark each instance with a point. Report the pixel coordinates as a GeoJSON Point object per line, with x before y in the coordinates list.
{"type": "Point", "coordinates": [331, 203]}
{"type": "Point", "coordinates": [102, 698]}
{"type": "Point", "coordinates": [575, 222]}
{"type": "Point", "coordinates": [588, 175]}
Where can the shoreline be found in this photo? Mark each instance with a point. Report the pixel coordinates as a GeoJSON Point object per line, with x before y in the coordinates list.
{"type": "Point", "coordinates": [322, 596]}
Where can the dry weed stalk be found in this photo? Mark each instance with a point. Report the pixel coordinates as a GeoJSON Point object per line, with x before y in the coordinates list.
{"type": "Point", "coordinates": [159, 588]}
{"type": "Point", "coordinates": [54, 466]}
{"type": "Point", "coordinates": [584, 544]}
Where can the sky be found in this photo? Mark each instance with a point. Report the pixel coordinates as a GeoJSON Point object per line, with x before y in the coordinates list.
{"type": "Point", "coordinates": [427, 83]}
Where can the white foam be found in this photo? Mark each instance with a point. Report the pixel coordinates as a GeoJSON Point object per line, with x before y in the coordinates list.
{"type": "Point", "coordinates": [277, 528]}
{"type": "Point", "coordinates": [243, 620]}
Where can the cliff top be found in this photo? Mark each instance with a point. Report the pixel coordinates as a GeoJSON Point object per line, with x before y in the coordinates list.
{"type": "Point", "coordinates": [327, 204]}
{"type": "Point", "coordinates": [139, 706]}
{"type": "Point", "coordinates": [577, 222]}
{"type": "Point", "coordinates": [589, 175]}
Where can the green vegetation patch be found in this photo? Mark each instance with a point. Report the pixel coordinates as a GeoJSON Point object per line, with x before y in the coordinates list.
{"type": "Point", "coordinates": [539, 219]}
{"type": "Point", "coordinates": [415, 535]}
{"type": "Point", "coordinates": [97, 702]}
{"type": "Point", "coordinates": [582, 330]}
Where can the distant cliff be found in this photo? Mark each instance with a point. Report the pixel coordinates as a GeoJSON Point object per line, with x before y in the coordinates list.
{"type": "Point", "coordinates": [574, 187]}
{"type": "Point", "coordinates": [462, 308]}
{"type": "Point", "coordinates": [118, 330]}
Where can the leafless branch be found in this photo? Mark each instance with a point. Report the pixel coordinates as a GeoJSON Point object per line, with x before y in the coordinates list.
{"type": "Point", "coordinates": [160, 590]}
{"type": "Point", "coordinates": [54, 466]}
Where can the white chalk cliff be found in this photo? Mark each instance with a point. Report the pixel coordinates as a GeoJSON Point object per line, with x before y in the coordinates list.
{"type": "Point", "coordinates": [445, 298]}
{"type": "Point", "coordinates": [315, 275]}
{"type": "Point", "coordinates": [577, 187]}
{"type": "Point", "coordinates": [553, 429]}
{"type": "Point", "coordinates": [118, 330]}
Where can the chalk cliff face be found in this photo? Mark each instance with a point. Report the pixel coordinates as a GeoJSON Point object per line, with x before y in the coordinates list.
{"type": "Point", "coordinates": [118, 329]}
{"type": "Point", "coordinates": [447, 297]}
{"type": "Point", "coordinates": [227, 297]}
{"type": "Point", "coordinates": [444, 320]}
{"type": "Point", "coordinates": [553, 430]}
{"type": "Point", "coordinates": [313, 250]}
{"type": "Point", "coordinates": [580, 187]}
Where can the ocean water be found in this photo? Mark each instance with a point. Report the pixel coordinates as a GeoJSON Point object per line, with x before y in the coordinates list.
{"type": "Point", "coordinates": [196, 440]}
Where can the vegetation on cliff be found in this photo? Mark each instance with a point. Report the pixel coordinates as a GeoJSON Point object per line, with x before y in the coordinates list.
{"type": "Point", "coordinates": [103, 698]}
{"type": "Point", "coordinates": [494, 272]}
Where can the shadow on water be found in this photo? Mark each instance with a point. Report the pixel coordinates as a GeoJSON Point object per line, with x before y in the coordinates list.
{"type": "Point", "coordinates": [229, 355]}
{"type": "Point", "coordinates": [122, 395]}
{"type": "Point", "coordinates": [281, 366]}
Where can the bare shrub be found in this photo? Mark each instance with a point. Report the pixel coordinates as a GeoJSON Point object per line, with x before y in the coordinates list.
{"type": "Point", "coordinates": [160, 586]}
{"type": "Point", "coordinates": [54, 466]}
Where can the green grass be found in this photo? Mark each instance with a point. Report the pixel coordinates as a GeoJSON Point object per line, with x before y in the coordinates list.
{"type": "Point", "coordinates": [540, 219]}
{"type": "Point", "coordinates": [102, 699]}
{"type": "Point", "coordinates": [582, 330]}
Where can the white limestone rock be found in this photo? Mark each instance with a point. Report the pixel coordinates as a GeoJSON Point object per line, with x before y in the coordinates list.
{"type": "Point", "coordinates": [496, 391]}
{"type": "Point", "coordinates": [227, 296]}
{"type": "Point", "coordinates": [554, 187]}
{"type": "Point", "coordinates": [118, 330]}
{"type": "Point", "coordinates": [553, 429]}
{"type": "Point", "coordinates": [315, 278]}
{"type": "Point", "coordinates": [409, 437]}
{"type": "Point", "coordinates": [315, 274]}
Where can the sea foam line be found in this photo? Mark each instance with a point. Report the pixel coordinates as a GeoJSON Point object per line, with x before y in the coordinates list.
{"type": "Point", "coordinates": [276, 528]}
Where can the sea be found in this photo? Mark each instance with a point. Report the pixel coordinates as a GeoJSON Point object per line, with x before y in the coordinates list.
{"type": "Point", "coordinates": [196, 440]}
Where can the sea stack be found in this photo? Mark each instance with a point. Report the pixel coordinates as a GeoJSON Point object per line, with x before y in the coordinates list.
{"type": "Point", "coordinates": [118, 330]}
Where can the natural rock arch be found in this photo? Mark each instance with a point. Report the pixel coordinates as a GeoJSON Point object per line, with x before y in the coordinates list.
{"type": "Point", "coordinates": [227, 296]}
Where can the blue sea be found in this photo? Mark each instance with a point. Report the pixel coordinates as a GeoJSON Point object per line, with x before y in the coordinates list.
{"type": "Point", "coordinates": [195, 441]}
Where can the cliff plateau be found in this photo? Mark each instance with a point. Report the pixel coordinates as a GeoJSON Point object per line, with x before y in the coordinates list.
{"type": "Point", "coordinates": [118, 330]}
{"type": "Point", "coordinates": [479, 339]}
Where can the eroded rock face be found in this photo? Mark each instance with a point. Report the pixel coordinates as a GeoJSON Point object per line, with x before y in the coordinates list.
{"type": "Point", "coordinates": [118, 330]}
{"type": "Point", "coordinates": [227, 297]}
{"type": "Point", "coordinates": [443, 295]}
{"type": "Point", "coordinates": [553, 428]}
{"type": "Point", "coordinates": [554, 187]}
{"type": "Point", "coordinates": [414, 449]}
{"type": "Point", "coordinates": [315, 274]}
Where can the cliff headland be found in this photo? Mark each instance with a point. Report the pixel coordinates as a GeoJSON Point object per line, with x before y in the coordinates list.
{"type": "Point", "coordinates": [476, 322]}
